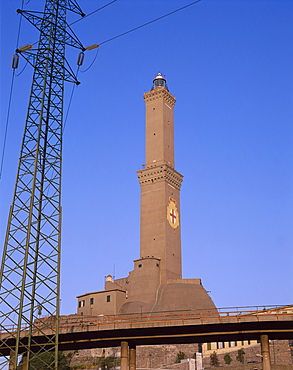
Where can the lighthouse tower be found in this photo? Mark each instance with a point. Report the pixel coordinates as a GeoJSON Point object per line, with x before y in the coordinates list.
{"type": "Point", "coordinates": [160, 184]}
{"type": "Point", "coordinates": [156, 283]}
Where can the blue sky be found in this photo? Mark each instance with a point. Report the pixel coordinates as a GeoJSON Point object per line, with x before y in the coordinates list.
{"type": "Point", "coordinates": [229, 65]}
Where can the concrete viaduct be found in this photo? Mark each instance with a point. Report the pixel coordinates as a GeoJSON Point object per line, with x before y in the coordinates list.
{"type": "Point", "coordinates": [82, 332]}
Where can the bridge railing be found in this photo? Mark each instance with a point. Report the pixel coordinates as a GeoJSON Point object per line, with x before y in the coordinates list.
{"type": "Point", "coordinates": [183, 317]}
{"type": "Point", "coordinates": [74, 323]}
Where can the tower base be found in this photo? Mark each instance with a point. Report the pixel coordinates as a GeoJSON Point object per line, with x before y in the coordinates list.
{"type": "Point", "coordinates": [173, 296]}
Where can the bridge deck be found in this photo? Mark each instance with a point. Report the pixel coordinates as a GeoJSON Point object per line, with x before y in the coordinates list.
{"type": "Point", "coordinates": [80, 332]}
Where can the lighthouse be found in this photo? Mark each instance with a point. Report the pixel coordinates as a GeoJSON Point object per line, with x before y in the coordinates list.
{"type": "Point", "coordinates": [155, 284]}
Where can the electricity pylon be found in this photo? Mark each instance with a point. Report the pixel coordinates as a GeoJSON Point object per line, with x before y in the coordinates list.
{"type": "Point", "coordinates": [30, 269]}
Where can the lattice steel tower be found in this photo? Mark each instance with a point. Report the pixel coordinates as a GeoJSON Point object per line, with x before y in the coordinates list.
{"type": "Point", "coordinates": [30, 270]}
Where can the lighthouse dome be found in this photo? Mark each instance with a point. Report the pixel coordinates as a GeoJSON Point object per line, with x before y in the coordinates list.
{"type": "Point", "coordinates": [159, 81]}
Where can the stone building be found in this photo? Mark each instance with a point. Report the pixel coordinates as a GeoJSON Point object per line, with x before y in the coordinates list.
{"type": "Point", "coordinates": [156, 283]}
{"type": "Point", "coordinates": [281, 353]}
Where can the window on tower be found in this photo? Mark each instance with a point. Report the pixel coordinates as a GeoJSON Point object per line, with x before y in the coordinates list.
{"type": "Point", "coordinates": [108, 298]}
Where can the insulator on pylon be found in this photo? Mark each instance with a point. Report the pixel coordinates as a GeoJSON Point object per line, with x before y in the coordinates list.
{"type": "Point", "coordinates": [15, 60]}
{"type": "Point", "coordinates": [25, 47]}
{"type": "Point", "coordinates": [91, 47]}
{"type": "Point", "coordinates": [39, 308]}
{"type": "Point", "coordinates": [80, 59]}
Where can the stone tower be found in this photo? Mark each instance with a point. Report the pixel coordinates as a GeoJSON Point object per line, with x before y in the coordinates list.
{"type": "Point", "coordinates": [156, 283]}
{"type": "Point", "coordinates": [160, 184]}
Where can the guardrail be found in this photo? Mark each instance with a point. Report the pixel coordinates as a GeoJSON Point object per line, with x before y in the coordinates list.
{"type": "Point", "coordinates": [182, 317]}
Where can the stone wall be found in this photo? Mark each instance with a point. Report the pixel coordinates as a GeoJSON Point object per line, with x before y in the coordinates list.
{"type": "Point", "coordinates": [152, 357]}
{"type": "Point", "coordinates": [180, 366]}
{"type": "Point", "coordinates": [89, 357]}
{"type": "Point", "coordinates": [164, 356]}
{"type": "Point", "coordinates": [256, 366]}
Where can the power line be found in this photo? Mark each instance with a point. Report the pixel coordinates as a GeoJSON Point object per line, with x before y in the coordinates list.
{"type": "Point", "coordinates": [154, 20]}
{"type": "Point", "coordinates": [87, 15]}
{"type": "Point", "coordinates": [7, 123]}
{"type": "Point", "coordinates": [70, 101]}
{"type": "Point", "coordinates": [10, 98]}
{"type": "Point", "coordinates": [135, 28]}
{"type": "Point", "coordinates": [142, 25]}
{"type": "Point", "coordinates": [91, 62]}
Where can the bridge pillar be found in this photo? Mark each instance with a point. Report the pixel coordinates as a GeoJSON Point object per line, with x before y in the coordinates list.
{"type": "Point", "coordinates": [12, 360]}
{"type": "Point", "coordinates": [265, 351]}
{"type": "Point", "coordinates": [24, 361]}
{"type": "Point", "coordinates": [132, 357]}
{"type": "Point", "coordinates": [124, 356]}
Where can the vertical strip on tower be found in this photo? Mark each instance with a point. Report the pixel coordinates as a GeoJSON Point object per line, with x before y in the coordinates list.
{"type": "Point", "coordinates": [30, 269]}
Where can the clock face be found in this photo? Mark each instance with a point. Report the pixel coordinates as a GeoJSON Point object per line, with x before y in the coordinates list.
{"type": "Point", "coordinates": [172, 213]}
